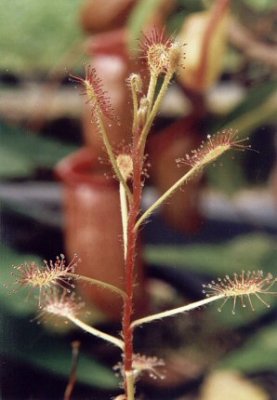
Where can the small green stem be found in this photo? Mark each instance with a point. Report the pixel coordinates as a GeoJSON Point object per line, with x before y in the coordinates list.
{"type": "Point", "coordinates": [111, 156]}
{"type": "Point", "coordinates": [130, 385]}
{"type": "Point", "coordinates": [167, 194]}
{"type": "Point", "coordinates": [96, 282]}
{"type": "Point", "coordinates": [124, 217]}
{"type": "Point", "coordinates": [135, 108]}
{"type": "Point", "coordinates": [151, 89]}
{"type": "Point", "coordinates": [155, 109]}
{"type": "Point", "coordinates": [174, 311]}
{"type": "Point", "coordinates": [96, 332]}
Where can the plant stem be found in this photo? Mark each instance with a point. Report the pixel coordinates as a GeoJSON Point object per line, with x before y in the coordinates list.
{"type": "Point", "coordinates": [155, 109]}
{"type": "Point", "coordinates": [111, 156]}
{"type": "Point", "coordinates": [167, 194]}
{"type": "Point", "coordinates": [130, 384]}
{"type": "Point", "coordinates": [135, 108]}
{"type": "Point", "coordinates": [151, 89]}
{"type": "Point", "coordinates": [96, 332]}
{"type": "Point", "coordinates": [137, 157]}
{"type": "Point", "coordinates": [96, 282]}
{"type": "Point", "coordinates": [124, 217]}
{"type": "Point", "coordinates": [174, 311]}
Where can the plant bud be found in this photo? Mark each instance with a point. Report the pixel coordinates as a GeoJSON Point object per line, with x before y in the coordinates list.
{"type": "Point", "coordinates": [142, 111]}
{"type": "Point", "coordinates": [136, 82]}
{"type": "Point", "coordinates": [125, 165]}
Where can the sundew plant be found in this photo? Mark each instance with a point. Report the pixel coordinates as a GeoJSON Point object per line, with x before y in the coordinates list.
{"type": "Point", "coordinates": [56, 279]}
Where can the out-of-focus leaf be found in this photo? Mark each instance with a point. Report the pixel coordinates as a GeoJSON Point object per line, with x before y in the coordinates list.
{"type": "Point", "coordinates": [38, 33]}
{"type": "Point", "coordinates": [184, 7]}
{"type": "Point", "coordinates": [140, 15]}
{"type": "Point", "coordinates": [260, 5]}
{"type": "Point", "coordinates": [244, 252]}
{"type": "Point", "coordinates": [12, 298]}
{"type": "Point", "coordinates": [243, 315]}
{"type": "Point", "coordinates": [14, 164]}
{"type": "Point", "coordinates": [256, 108]}
{"type": "Point", "coordinates": [229, 177]}
{"type": "Point", "coordinates": [232, 385]}
{"type": "Point", "coordinates": [22, 152]}
{"type": "Point", "coordinates": [249, 252]}
{"type": "Point", "coordinates": [257, 354]}
{"type": "Point", "coordinates": [23, 341]}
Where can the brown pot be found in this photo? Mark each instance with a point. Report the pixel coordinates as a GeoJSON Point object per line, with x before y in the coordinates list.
{"type": "Point", "coordinates": [93, 230]}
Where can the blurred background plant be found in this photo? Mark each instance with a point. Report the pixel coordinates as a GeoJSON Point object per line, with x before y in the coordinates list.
{"type": "Point", "coordinates": [229, 80]}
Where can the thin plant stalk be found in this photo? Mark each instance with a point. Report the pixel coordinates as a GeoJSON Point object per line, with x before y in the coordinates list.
{"type": "Point", "coordinates": [97, 282]}
{"type": "Point", "coordinates": [96, 332]}
{"type": "Point", "coordinates": [152, 89]}
{"type": "Point", "coordinates": [124, 217]}
{"type": "Point", "coordinates": [166, 195]}
{"type": "Point", "coordinates": [130, 384]}
{"type": "Point", "coordinates": [130, 265]}
{"type": "Point", "coordinates": [155, 108]}
{"type": "Point", "coordinates": [174, 311]}
{"type": "Point", "coordinates": [112, 157]}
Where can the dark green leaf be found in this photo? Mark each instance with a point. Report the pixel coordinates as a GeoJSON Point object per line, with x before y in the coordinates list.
{"type": "Point", "coordinates": [260, 5]}
{"type": "Point", "coordinates": [22, 152]}
{"type": "Point", "coordinates": [13, 298]}
{"type": "Point", "coordinates": [244, 252]}
{"type": "Point", "coordinates": [258, 354]}
{"type": "Point", "coordinates": [139, 17]}
{"type": "Point", "coordinates": [23, 341]}
{"type": "Point", "coordinates": [249, 252]}
{"type": "Point", "coordinates": [256, 108]}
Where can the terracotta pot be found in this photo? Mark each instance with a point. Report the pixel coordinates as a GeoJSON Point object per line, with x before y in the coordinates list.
{"type": "Point", "coordinates": [93, 230]}
{"type": "Point", "coordinates": [181, 211]}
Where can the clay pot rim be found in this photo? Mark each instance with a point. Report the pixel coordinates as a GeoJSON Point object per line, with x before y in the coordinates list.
{"type": "Point", "coordinates": [82, 167]}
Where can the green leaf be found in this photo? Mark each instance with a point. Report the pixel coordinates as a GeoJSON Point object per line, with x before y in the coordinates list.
{"type": "Point", "coordinates": [26, 342]}
{"type": "Point", "coordinates": [253, 251]}
{"type": "Point", "coordinates": [14, 299]}
{"type": "Point", "coordinates": [38, 34]}
{"type": "Point", "coordinates": [242, 316]}
{"type": "Point", "coordinates": [22, 152]}
{"type": "Point", "coordinates": [258, 354]}
{"type": "Point", "coordinates": [14, 164]}
{"type": "Point", "coordinates": [259, 106]}
{"type": "Point", "coordinates": [248, 252]}
{"type": "Point", "coordinates": [260, 5]}
{"type": "Point", "coordinates": [140, 16]}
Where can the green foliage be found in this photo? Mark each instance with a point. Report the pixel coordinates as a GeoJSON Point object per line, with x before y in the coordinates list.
{"type": "Point", "coordinates": [21, 152]}
{"type": "Point", "coordinates": [256, 108]}
{"type": "Point", "coordinates": [258, 354]}
{"type": "Point", "coordinates": [253, 251]}
{"type": "Point", "coordinates": [249, 252]}
{"type": "Point", "coordinates": [17, 334]}
{"type": "Point", "coordinates": [142, 13]}
{"type": "Point", "coordinates": [26, 342]}
{"type": "Point", "coordinates": [12, 299]}
{"type": "Point", "coordinates": [260, 5]}
{"type": "Point", "coordinates": [36, 34]}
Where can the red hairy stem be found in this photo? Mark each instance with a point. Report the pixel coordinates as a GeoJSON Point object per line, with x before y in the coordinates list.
{"type": "Point", "coordinates": [137, 157]}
